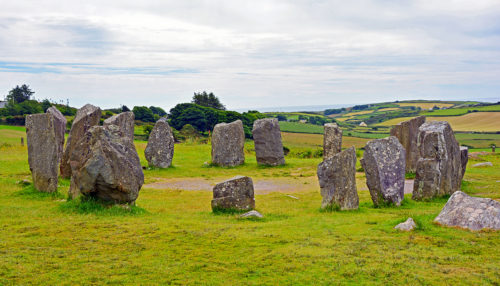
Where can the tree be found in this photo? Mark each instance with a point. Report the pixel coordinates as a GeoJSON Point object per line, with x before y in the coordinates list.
{"type": "Point", "coordinates": [147, 130]}
{"type": "Point", "coordinates": [20, 94]}
{"type": "Point", "coordinates": [158, 110]}
{"type": "Point", "coordinates": [208, 100]}
{"type": "Point", "coordinates": [281, 117]}
{"type": "Point", "coordinates": [143, 113]}
{"type": "Point", "coordinates": [125, 108]}
{"type": "Point", "coordinates": [194, 117]}
{"type": "Point", "coordinates": [46, 105]}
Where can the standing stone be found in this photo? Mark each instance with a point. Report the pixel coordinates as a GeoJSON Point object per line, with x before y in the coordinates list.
{"type": "Point", "coordinates": [160, 149]}
{"type": "Point", "coordinates": [106, 166]}
{"type": "Point", "coordinates": [469, 212]}
{"type": "Point", "coordinates": [407, 133]}
{"type": "Point", "coordinates": [337, 179]}
{"type": "Point", "coordinates": [43, 152]}
{"type": "Point", "coordinates": [228, 142]}
{"type": "Point", "coordinates": [234, 194]}
{"type": "Point", "coordinates": [332, 140]}
{"type": "Point", "coordinates": [60, 126]}
{"type": "Point", "coordinates": [85, 118]}
{"type": "Point", "coordinates": [464, 159]}
{"type": "Point", "coordinates": [267, 138]}
{"type": "Point", "coordinates": [384, 164]}
{"type": "Point", "coordinates": [439, 169]}
{"type": "Point", "coordinates": [125, 121]}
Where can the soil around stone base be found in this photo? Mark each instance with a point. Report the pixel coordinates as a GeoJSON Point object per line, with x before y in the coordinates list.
{"type": "Point", "coordinates": [261, 186]}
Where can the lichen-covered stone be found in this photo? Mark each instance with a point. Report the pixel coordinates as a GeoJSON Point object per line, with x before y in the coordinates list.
{"type": "Point", "coordinates": [384, 164]}
{"type": "Point", "coordinates": [234, 194]}
{"type": "Point", "coordinates": [464, 159]}
{"type": "Point", "coordinates": [60, 126]}
{"type": "Point", "coordinates": [267, 138]}
{"type": "Point", "coordinates": [160, 149]}
{"type": "Point", "coordinates": [43, 150]}
{"type": "Point", "coordinates": [332, 140]}
{"type": "Point", "coordinates": [228, 142]}
{"type": "Point", "coordinates": [469, 212]}
{"type": "Point", "coordinates": [337, 179]}
{"type": "Point", "coordinates": [407, 133]}
{"type": "Point", "coordinates": [105, 165]}
{"type": "Point", "coordinates": [125, 121]}
{"type": "Point", "coordinates": [439, 169]}
{"type": "Point", "coordinates": [86, 117]}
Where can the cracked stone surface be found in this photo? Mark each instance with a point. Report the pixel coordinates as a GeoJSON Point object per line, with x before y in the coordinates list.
{"type": "Point", "coordinates": [468, 212]}
{"type": "Point", "coordinates": [337, 180]}
{"type": "Point", "coordinates": [384, 164]}
{"type": "Point", "coordinates": [228, 142]}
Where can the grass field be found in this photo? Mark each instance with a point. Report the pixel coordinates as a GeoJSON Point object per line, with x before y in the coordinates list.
{"type": "Point", "coordinates": [301, 140]}
{"type": "Point", "coordinates": [172, 237]}
{"type": "Point", "coordinates": [462, 111]}
{"type": "Point", "coordinates": [300, 127]}
{"type": "Point", "coordinates": [476, 121]}
{"type": "Point", "coordinates": [388, 109]}
{"type": "Point", "coordinates": [425, 105]}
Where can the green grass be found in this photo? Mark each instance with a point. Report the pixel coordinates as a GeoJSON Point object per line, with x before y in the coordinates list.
{"type": "Point", "coordinates": [172, 236]}
{"type": "Point", "coordinates": [478, 140]}
{"type": "Point", "coordinates": [462, 111]}
{"type": "Point", "coordinates": [297, 127]}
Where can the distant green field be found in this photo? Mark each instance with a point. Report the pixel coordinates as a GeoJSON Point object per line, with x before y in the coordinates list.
{"type": "Point", "coordinates": [477, 140]}
{"type": "Point", "coordinates": [462, 111]}
{"type": "Point", "coordinates": [297, 127]}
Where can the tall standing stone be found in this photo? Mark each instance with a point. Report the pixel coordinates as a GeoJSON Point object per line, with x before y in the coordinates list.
{"type": "Point", "coordinates": [234, 194]}
{"type": "Point", "coordinates": [125, 121]}
{"type": "Point", "coordinates": [337, 179]}
{"type": "Point", "coordinates": [439, 169]}
{"type": "Point", "coordinates": [85, 118]}
{"type": "Point", "coordinates": [160, 149]}
{"type": "Point", "coordinates": [60, 126]}
{"type": "Point", "coordinates": [464, 159]}
{"type": "Point", "coordinates": [384, 164]}
{"type": "Point", "coordinates": [43, 150]}
{"type": "Point", "coordinates": [407, 133]}
{"type": "Point", "coordinates": [105, 165]}
{"type": "Point", "coordinates": [228, 142]}
{"type": "Point", "coordinates": [332, 140]}
{"type": "Point", "coordinates": [267, 138]}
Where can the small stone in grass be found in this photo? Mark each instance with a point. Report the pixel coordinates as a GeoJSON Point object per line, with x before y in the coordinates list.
{"type": "Point", "coordinates": [408, 225]}
{"type": "Point", "coordinates": [252, 213]}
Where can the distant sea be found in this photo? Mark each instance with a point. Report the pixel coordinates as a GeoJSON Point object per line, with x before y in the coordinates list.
{"type": "Point", "coordinates": [295, 108]}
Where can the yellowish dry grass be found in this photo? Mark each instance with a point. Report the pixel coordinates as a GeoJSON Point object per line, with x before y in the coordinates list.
{"type": "Point", "coordinates": [310, 140]}
{"type": "Point", "coordinates": [475, 121]}
{"type": "Point", "coordinates": [425, 105]}
{"type": "Point", "coordinates": [388, 109]}
{"type": "Point", "coordinates": [394, 121]}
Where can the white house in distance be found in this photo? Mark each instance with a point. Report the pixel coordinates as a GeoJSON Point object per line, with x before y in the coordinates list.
{"type": "Point", "coordinates": [363, 124]}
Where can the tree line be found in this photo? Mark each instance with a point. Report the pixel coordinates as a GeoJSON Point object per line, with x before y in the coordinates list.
{"type": "Point", "coordinates": [201, 114]}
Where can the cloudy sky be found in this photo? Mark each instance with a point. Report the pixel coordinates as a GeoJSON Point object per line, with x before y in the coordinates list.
{"type": "Point", "coordinates": [256, 53]}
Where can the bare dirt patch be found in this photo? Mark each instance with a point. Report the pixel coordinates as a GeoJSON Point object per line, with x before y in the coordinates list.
{"type": "Point", "coordinates": [261, 186]}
